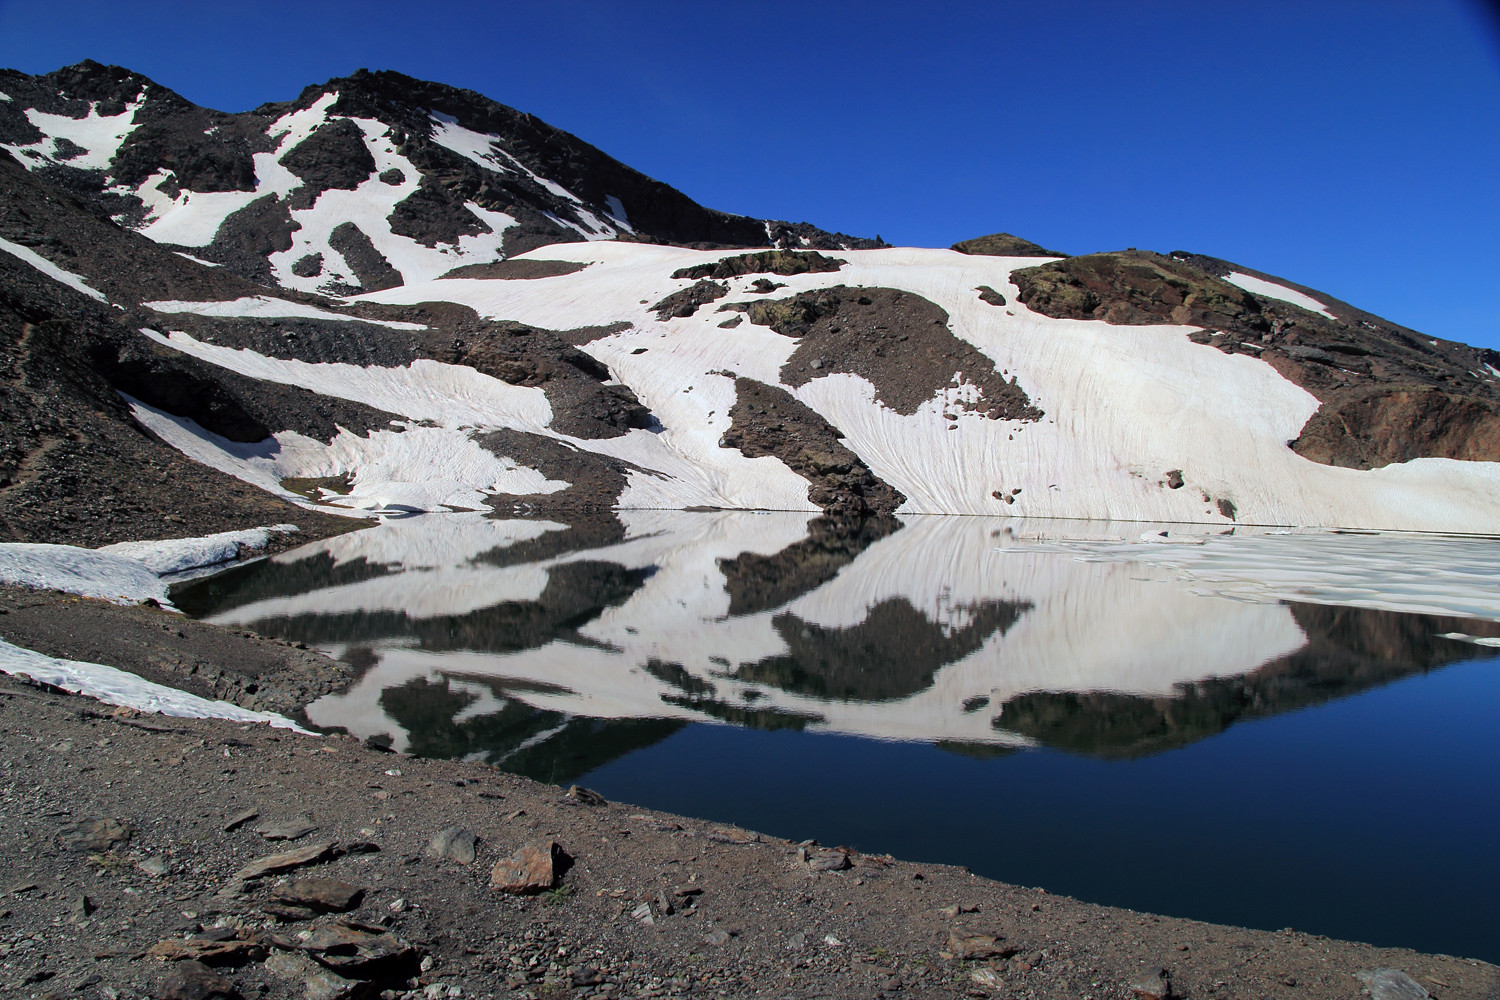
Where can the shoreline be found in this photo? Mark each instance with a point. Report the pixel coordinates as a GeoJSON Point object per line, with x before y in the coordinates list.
{"type": "Point", "coordinates": [731, 913]}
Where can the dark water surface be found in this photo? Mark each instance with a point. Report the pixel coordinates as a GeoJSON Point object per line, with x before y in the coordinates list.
{"type": "Point", "coordinates": [1268, 731]}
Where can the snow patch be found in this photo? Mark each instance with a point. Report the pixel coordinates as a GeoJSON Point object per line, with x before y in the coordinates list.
{"type": "Point", "coordinates": [178, 555]}
{"type": "Point", "coordinates": [86, 572]}
{"type": "Point", "coordinates": [114, 686]}
{"type": "Point", "coordinates": [99, 136]}
{"type": "Point", "coordinates": [193, 218]}
{"type": "Point", "coordinates": [413, 469]}
{"type": "Point", "coordinates": [1270, 289]}
{"type": "Point", "coordinates": [266, 307]}
{"type": "Point", "coordinates": [617, 213]}
{"type": "Point", "coordinates": [51, 270]}
{"type": "Point", "coordinates": [369, 207]}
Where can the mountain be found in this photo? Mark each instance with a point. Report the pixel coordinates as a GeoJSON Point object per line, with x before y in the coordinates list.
{"type": "Point", "coordinates": [391, 295]}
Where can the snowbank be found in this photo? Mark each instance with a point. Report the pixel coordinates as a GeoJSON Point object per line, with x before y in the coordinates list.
{"type": "Point", "coordinates": [178, 555]}
{"type": "Point", "coordinates": [86, 572]}
{"type": "Point", "coordinates": [114, 686]}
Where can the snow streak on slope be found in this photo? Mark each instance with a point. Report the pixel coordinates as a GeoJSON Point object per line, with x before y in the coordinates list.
{"type": "Point", "coordinates": [368, 207]}
{"type": "Point", "coordinates": [683, 465]}
{"type": "Point", "coordinates": [265, 307]}
{"type": "Point", "coordinates": [1271, 290]}
{"type": "Point", "coordinates": [486, 151]}
{"type": "Point", "coordinates": [50, 269]}
{"type": "Point", "coordinates": [411, 469]}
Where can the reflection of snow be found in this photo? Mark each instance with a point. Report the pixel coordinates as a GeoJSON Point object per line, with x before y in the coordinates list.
{"type": "Point", "coordinates": [1105, 624]}
{"type": "Point", "coordinates": [1409, 573]}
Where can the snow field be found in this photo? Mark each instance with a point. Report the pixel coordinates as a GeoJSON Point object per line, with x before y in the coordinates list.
{"type": "Point", "coordinates": [93, 573]}
{"type": "Point", "coordinates": [1124, 404]}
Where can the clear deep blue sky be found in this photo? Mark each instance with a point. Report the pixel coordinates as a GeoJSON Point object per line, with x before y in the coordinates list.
{"type": "Point", "coordinates": [1350, 146]}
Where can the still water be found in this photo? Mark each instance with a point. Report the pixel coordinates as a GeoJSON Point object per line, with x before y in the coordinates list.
{"type": "Point", "coordinates": [1260, 728]}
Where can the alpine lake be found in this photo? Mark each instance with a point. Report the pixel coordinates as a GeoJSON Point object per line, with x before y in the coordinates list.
{"type": "Point", "coordinates": [1251, 726]}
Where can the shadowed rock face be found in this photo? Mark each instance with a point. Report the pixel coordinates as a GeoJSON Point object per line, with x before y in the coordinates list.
{"type": "Point", "coordinates": [1387, 393]}
{"type": "Point", "coordinates": [782, 262]}
{"type": "Point", "coordinates": [1348, 650]}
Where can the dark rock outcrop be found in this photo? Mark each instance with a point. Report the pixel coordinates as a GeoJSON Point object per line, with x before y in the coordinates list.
{"type": "Point", "coordinates": [1388, 394]}
{"type": "Point", "coordinates": [768, 420]}
{"type": "Point", "coordinates": [1004, 245]}
{"type": "Point", "coordinates": [897, 340]}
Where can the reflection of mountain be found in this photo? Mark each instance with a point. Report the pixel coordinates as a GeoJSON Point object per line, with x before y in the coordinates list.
{"type": "Point", "coordinates": [893, 653]}
{"type": "Point", "coordinates": [506, 638]}
{"type": "Point", "coordinates": [575, 593]}
{"type": "Point", "coordinates": [1348, 650]}
{"type": "Point", "coordinates": [759, 583]}
{"type": "Point", "coordinates": [546, 746]}
{"type": "Point", "coordinates": [265, 579]}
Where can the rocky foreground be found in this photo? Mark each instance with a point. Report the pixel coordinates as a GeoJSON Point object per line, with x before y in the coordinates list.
{"type": "Point", "coordinates": [147, 856]}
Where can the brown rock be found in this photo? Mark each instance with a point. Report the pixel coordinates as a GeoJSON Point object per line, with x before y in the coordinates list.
{"type": "Point", "coordinates": [196, 981]}
{"type": "Point", "coordinates": [355, 949]}
{"type": "Point", "coordinates": [94, 835]}
{"type": "Point", "coordinates": [973, 946]}
{"type": "Point", "coordinates": [319, 893]}
{"type": "Point", "coordinates": [536, 867]}
{"type": "Point", "coordinates": [231, 952]}
{"type": "Point", "coordinates": [275, 864]}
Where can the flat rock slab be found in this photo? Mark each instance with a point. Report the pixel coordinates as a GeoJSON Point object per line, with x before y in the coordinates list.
{"type": "Point", "coordinates": [275, 864]}
{"type": "Point", "coordinates": [285, 829]}
{"type": "Point", "coordinates": [319, 893]}
{"type": "Point", "coordinates": [1391, 984]}
{"type": "Point", "coordinates": [454, 843]}
{"type": "Point", "coordinates": [828, 861]}
{"type": "Point", "coordinates": [535, 868]}
{"type": "Point", "coordinates": [232, 952]}
{"type": "Point", "coordinates": [94, 835]}
{"type": "Point", "coordinates": [317, 982]}
{"type": "Point", "coordinates": [354, 949]}
{"type": "Point", "coordinates": [196, 981]}
{"type": "Point", "coordinates": [974, 946]}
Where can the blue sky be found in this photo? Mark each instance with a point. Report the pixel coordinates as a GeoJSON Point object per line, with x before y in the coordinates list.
{"type": "Point", "coordinates": [1350, 146]}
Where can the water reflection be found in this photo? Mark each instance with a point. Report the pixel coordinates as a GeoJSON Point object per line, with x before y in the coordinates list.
{"type": "Point", "coordinates": [552, 648]}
